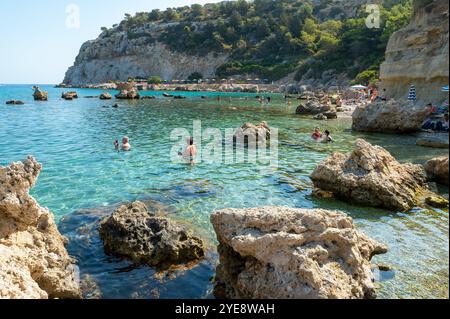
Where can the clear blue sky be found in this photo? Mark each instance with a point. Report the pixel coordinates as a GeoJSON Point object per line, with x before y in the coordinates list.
{"type": "Point", "coordinates": [37, 47]}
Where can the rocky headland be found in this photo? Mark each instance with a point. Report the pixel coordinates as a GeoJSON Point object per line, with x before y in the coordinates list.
{"type": "Point", "coordinates": [34, 263]}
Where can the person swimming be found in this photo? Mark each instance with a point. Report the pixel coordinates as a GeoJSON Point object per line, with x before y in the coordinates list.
{"type": "Point", "coordinates": [317, 135]}
{"type": "Point", "coordinates": [190, 152]}
{"type": "Point", "coordinates": [116, 145]}
{"type": "Point", "coordinates": [327, 137]}
{"type": "Point", "coordinates": [126, 146]}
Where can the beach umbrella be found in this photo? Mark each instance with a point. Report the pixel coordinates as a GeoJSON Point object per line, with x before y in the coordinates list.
{"type": "Point", "coordinates": [412, 93]}
{"type": "Point", "coordinates": [358, 87]}
{"type": "Point", "coordinates": [445, 88]}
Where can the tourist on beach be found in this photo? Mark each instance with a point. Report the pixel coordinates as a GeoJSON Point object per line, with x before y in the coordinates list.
{"type": "Point", "coordinates": [317, 135]}
{"type": "Point", "coordinates": [126, 146]}
{"type": "Point", "coordinates": [338, 102]}
{"type": "Point", "coordinates": [431, 109]}
{"type": "Point", "coordinates": [269, 99]}
{"type": "Point", "coordinates": [327, 137]}
{"type": "Point", "coordinates": [191, 151]}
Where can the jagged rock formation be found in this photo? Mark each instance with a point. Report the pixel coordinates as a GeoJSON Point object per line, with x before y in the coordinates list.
{"type": "Point", "coordinates": [287, 253]}
{"type": "Point", "coordinates": [250, 133]}
{"type": "Point", "coordinates": [135, 233]}
{"type": "Point", "coordinates": [118, 57]}
{"type": "Point", "coordinates": [419, 54]}
{"type": "Point", "coordinates": [34, 263]}
{"type": "Point", "coordinates": [370, 176]}
{"type": "Point", "coordinates": [105, 96]}
{"type": "Point", "coordinates": [69, 96]}
{"type": "Point", "coordinates": [392, 116]}
{"type": "Point", "coordinates": [437, 169]}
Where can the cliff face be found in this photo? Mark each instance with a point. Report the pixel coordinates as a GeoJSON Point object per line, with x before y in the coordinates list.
{"type": "Point", "coordinates": [418, 54]}
{"type": "Point", "coordinates": [121, 55]}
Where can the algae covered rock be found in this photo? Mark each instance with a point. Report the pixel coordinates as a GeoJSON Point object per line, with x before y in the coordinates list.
{"type": "Point", "coordinates": [135, 233]}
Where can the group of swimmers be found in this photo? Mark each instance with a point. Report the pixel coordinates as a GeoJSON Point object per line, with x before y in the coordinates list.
{"type": "Point", "coordinates": [323, 138]}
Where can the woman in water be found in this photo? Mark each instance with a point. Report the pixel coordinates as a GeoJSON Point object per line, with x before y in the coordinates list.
{"type": "Point", "coordinates": [327, 137]}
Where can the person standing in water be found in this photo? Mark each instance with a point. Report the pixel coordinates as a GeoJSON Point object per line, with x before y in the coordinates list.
{"type": "Point", "coordinates": [327, 137]}
{"type": "Point", "coordinates": [190, 152]}
{"type": "Point", "coordinates": [317, 135]}
{"type": "Point", "coordinates": [126, 146]}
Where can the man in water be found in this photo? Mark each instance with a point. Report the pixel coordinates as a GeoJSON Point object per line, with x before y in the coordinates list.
{"type": "Point", "coordinates": [190, 153]}
{"type": "Point", "coordinates": [126, 146]}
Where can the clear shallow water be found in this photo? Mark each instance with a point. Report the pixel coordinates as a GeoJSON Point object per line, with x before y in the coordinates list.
{"type": "Point", "coordinates": [73, 140]}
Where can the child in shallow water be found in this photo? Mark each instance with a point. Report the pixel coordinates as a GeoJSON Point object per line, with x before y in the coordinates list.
{"type": "Point", "coordinates": [126, 146]}
{"type": "Point", "coordinates": [317, 135]}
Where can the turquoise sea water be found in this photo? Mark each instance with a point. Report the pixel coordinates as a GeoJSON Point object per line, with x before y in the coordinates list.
{"type": "Point", "coordinates": [74, 142]}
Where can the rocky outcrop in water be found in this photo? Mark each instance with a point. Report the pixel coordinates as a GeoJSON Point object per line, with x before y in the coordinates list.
{"type": "Point", "coordinates": [391, 116]}
{"type": "Point", "coordinates": [69, 95]}
{"type": "Point", "coordinates": [371, 176]}
{"type": "Point", "coordinates": [287, 253]}
{"type": "Point", "coordinates": [251, 133]}
{"type": "Point", "coordinates": [39, 95]}
{"type": "Point", "coordinates": [135, 233]}
{"type": "Point", "coordinates": [105, 96]}
{"type": "Point", "coordinates": [433, 140]}
{"type": "Point", "coordinates": [34, 263]}
{"type": "Point", "coordinates": [419, 54]}
{"type": "Point", "coordinates": [437, 169]}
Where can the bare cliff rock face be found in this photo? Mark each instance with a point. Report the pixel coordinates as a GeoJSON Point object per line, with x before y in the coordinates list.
{"type": "Point", "coordinates": [371, 176]}
{"type": "Point", "coordinates": [419, 54]}
{"type": "Point", "coordinates": [287, 253]}
{"type": "Point", "coordinates": [118, 56]}
{"type": "Point", "coordinates": [34, 263]}
{"type": "Point", "coordinates": [389, 117]}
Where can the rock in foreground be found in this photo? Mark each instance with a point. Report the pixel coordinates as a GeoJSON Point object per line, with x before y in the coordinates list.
{"type": "Point", "coordinates": [34, 263]}
{"type": "Point", "coordinates": [370, 176]}
{"type": "Point", "coordinates": [135, 233]}
{"type": "Point", "coordinates": [437, 169]}
{"type": "Point", "coordinates": [287, 253]}
{"type": "Point", "coordinates": [391, 116]}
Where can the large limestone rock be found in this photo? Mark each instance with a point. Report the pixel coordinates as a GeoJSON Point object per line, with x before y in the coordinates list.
{"type": "Point", "coordinates": [251, 133]}
{"type": "Point", "coordinates": [313, 107]}
{"type": "Point", "coordinates": [370, 176]}
{"type": "Point", "coordinates": [390, 116]}
{"type": "Point", "coordinates": [287, 253]}
{"type": "Point", "coordinates": [135, 233]}
{"type": "Point", "coordinates": [33, 260]}
{"type": "Point", "coordinates": [437, 169]}
{"type": "Point", "coordinates": [418, 54]}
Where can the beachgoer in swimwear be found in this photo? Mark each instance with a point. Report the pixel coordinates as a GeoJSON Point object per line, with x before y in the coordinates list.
{"type": "Point", "coordinates": [126, 146]}
{"type": "Point", "coordinates": [191, 151]}
{"type": "Point", "coordinates": [317, 135]}
{"type": "Point", "coordinates": [327, 137]}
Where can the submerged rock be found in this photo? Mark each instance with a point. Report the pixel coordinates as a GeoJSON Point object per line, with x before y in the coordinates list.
{"type": "Point", "coordinates": [135, 233]}
{"type": "Point", "coordinates": [14, 102]}
{"type": "Point", "coordinates": [287, 253]}
{"type": "Point", "coordinates": [34, 263]}
{"type": "Point", "coordinates": [437, 169]}
{"type": "Point", "coordinates": [390, 116]}
{"type": "Point", "coordinates": [370, 176]}
{"type": "Point", "coordinates": [434, 140]}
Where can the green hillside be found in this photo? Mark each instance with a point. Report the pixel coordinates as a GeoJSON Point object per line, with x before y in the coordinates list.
{"type": "Point", "coordinates": [272, 39]}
